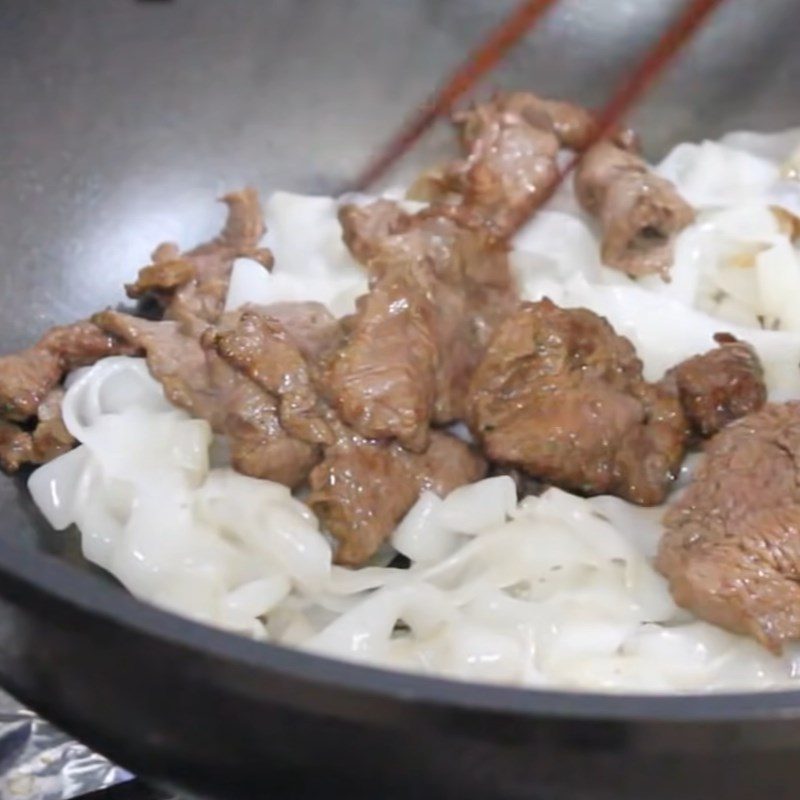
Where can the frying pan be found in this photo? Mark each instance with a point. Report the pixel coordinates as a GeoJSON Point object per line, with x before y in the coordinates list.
{"type": "Point", "coordinates": [119, 121]}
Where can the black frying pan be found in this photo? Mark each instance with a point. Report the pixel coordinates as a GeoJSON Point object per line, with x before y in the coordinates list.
{"type": "Point", "coordinates": [118, 123]}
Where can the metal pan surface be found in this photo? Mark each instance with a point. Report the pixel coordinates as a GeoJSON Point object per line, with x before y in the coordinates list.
{"type": "Point", "coordinates": [120, 121]}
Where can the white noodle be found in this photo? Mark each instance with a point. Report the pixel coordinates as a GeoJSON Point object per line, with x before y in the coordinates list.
{"type": "Point", "coordinates": [555, 591]}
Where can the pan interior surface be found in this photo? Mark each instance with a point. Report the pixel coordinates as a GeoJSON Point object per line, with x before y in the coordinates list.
{"type": "Point", "coordinates": [123, 121]}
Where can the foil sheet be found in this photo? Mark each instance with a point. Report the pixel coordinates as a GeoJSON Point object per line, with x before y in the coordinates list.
{"type": "Point", "coordinates": [39, 762]}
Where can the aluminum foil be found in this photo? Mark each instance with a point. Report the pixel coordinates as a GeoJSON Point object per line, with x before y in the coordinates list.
{"type": "Point", "coordinates": [39, 762]}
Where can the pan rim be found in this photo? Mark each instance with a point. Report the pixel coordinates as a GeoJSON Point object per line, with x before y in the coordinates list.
{"type": "Point", "coordinates": [49, 577]}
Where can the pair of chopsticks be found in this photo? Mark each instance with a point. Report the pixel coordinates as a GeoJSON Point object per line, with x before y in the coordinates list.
{"type": "Point", "coordinates": [499, 42]}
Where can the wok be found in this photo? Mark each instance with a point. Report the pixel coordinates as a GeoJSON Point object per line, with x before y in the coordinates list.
{"type": "Point", "coordinates": [120, 122]}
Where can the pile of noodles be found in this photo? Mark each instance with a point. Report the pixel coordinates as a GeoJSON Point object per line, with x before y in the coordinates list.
{"type": "Point", "coordinates": [555, 591]}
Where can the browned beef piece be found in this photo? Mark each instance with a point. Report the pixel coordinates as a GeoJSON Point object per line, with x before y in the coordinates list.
{"type": "Point", "coordinates": [639, 212]}
{"type": "Point", "coordinates": [447, 464]}
{"type": "Point", "coordinates": [197, 379]}
{"type": "Point", "coordinates": [510, 165]}
{"type": "Point", "coordinates": [383, 381]}
{"type": "Point", "coordinates": [362, 489]}
{"type": "Point", "coordinates": [48, 439]}
{"type": "Point", "coordinates": [376, 236]}
{"type": "Point", "coordinates": [258, 345]}
{"type": "Point", "coordinates": [510, 145]}
{"type": "Point", "coordinates": [310, 325]}
{"type": "Point", "coordinates": [175, 359]}
{"type": "Point", "coordinates": [30, 393]}
{"type": "Point", "coordinates": [731, 549]}
{"type": "Point", "coordinates": [244, 226]}
{"type": "Point", "coordinates": [561, 396]}
{"type": "Point", "coordinates": [438, 288]}
{"type": "Point", "coordinates": [447, 241]}
{"type": "Point", "coordinates": [27, 377]}
{"type": "Point", "coordinates": [161, 277]}
{"type": "Point", "coordinates": [259, 445]}
{"type": "Point", "coordinates": [195, 284]}
{"type": "Point", "coordinates": [204, 297]}
{"type": "Point", "coordinates": [360, 492]}
{"type": "Point", "coordinates": [573, 125]}
{"type": "Point", "coordinates": [719, 386]}
{"type": "Point", "coordinates": [166, 251]}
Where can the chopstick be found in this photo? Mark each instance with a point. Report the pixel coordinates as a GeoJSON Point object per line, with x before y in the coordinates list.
{"type": "Point", "coordinates": [477, 64]}
{"type": "Point", "coordinates": [648, 71]}
{"type": "Point", "coordinates": [500, 41]}
{"type": "Point", "coordinates": [634, 85]}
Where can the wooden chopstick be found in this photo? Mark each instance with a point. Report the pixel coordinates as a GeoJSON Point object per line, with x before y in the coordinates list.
{"type": "Point", "coordinates": [479, 62]}
{"type": "Point", "coordinates": [499, 42]}
{"type": "Point", "coordinates": [634, 85]}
